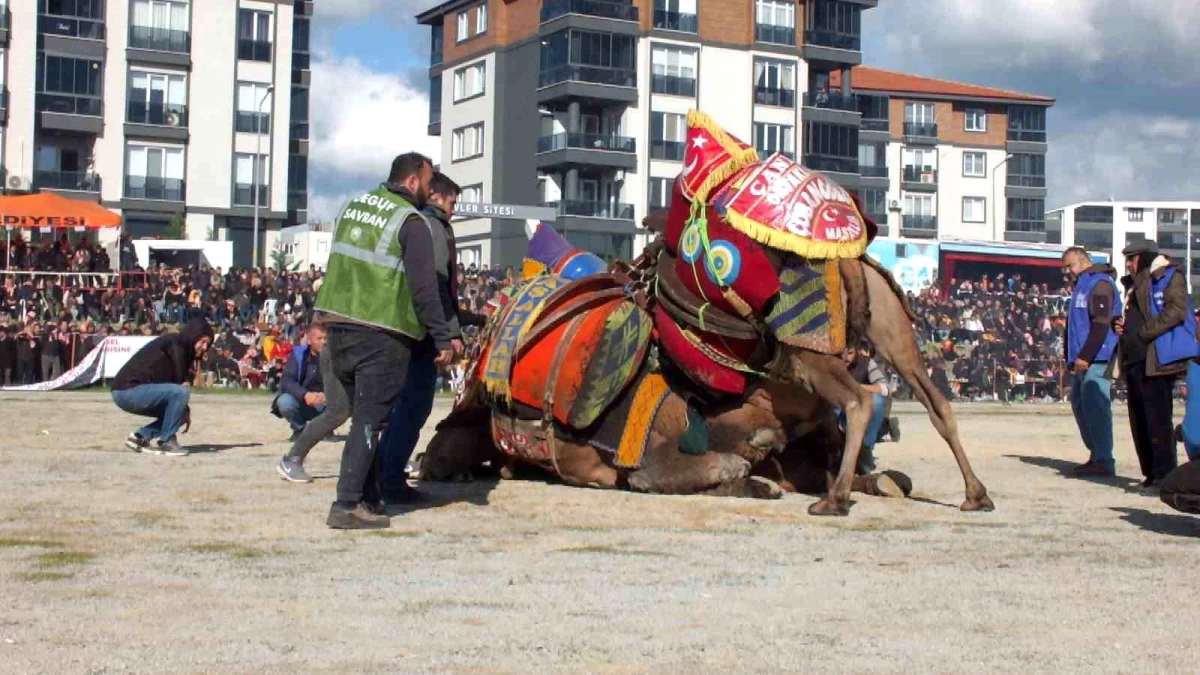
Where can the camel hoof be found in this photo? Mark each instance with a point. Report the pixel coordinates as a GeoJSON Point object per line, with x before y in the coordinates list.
{"type": "Point", "coordinates": [983, 503]}
{"type": "Point", "coordinates": [894, 484]}
{"type": "Point", "coordinates": [757, 487]}
{"type": "Point", "coordinates": [731, 468]}
{"type": "Point", "coordinates": [830, 507]}
{"type": "Point", "coordinates": [507, 472]}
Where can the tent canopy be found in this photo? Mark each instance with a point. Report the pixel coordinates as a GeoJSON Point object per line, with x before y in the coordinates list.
{"type": "Point", "coordinates": [47, 209]}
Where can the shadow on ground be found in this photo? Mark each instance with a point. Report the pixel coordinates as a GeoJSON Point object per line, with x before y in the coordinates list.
{"type": "Point", "coordinates": [1067, 470]}
{"type": "Point", "coordinates": [199, 449]}
{"type": "Point", "coordinates": [1162, 523]}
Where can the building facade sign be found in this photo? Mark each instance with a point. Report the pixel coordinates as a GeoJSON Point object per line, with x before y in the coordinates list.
{"type": "Point", "coordinates": [515, 211]}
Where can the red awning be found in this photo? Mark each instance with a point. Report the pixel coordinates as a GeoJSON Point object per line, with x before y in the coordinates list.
{"type": "Point", "coordinates": [47, 209]}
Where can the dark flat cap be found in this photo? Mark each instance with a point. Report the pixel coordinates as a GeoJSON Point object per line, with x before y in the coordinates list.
{"type": "Point", "coordinates": [1139, 247]}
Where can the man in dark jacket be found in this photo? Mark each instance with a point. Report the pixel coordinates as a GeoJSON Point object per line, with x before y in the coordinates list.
{"type": "Point", "coordinates": [1158, 340]}
{"type": "Point", "coordinates": [156, 382]}
{"type": "Point", "coordinates": [302, 392]}
{"type": "Point", "coordinates": [416, 401]}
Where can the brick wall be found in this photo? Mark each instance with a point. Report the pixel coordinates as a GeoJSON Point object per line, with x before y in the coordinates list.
{"type": "Point", "coordinates": [728, 21]}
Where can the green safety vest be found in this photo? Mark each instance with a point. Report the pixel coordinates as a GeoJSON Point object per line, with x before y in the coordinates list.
{"type": "Point", "coordinates": [364, 279]}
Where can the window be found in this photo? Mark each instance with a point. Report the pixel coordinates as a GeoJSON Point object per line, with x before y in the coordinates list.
{"type": "Point", "coordinates": [154, 172]}
{"type": "Point", "coordinates": [157, 98]}
{"type": "Point", "coordinates": [1094, 214]}
{"type": "Point", "coordinates": [775, 83]}
{"type": "Point", "coordinates": [918, 205]}
{"type": "Point", "coordinates": [609, 58]}
{"type": "Point", "coordinates": [668, 132]}
{"type": "Point", "coordinates": [251, 98]}
{"type": "Point", "coordinates": [1026, 124]}
{"type": "Point", "coordinates": [251, 171]}
{"type": "Point", "coordinates": [835, 17]}
{"type": "Point", "coordinates": [673, 71]}
{"type": "Point", "coordinates": [435, 99]}
{"type": "Point", "coordinates": [775, 22]}
{"type": "Point", "coordinates": [468, 142]}
{"type": "Point", "coordinates": [70, 86]}
{"type": "Point", "coordinates": [435, 45]}
{"type": "Point", "coordinates": [976, 119]}
{"type": "Point", "coordinates": [462, 28]}
{"type": "Point", "coordinates": [772, 138]}
{"type": "Point", "coordinates": [975, 164]}
{"type": "Point", "coordinates": [875, 203]}
{"type": "Point", "coordinates": [472, 194]}
{"type": "Point", "coordinates": [1028, 171]}
{"type": "Point", "coordinates": [872, 159]}
{"type": "Point", "coordinates": [677, 15]}
{"type": "Point", "coordinates": [830, 147]}
{"type": "Point", "coordinates": [254, 35]}
{"type": "Point", "coordinates": [1026, 215]}
{"type": "Point", "coordinates": [1135, 215]}
{"type": "Point", "coordinates": [660, 192]}
{"type": "Point", "coordinates": [924, 158]}
{"type": "Point", "coordinates": [918, 113]}
{"type": "Point", "coordinates": [481, 19]}
{"type": "Point", "coordinates": [160, 25]}
{"type": "Point", "coordinates": [468, 82]}
{"type": "Point", "coordinates": [974, 210]}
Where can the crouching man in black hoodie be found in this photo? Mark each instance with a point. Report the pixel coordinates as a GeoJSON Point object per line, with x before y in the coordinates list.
{"type": "Point", "coordinates": [156, 383]}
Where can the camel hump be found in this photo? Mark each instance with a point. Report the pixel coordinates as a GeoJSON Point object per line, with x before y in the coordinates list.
{"type": "Point", "coordinates": [891, 282]}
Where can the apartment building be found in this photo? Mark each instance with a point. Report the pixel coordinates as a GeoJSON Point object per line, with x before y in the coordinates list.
{"type": "Point", "coordinates": [1109, 226]}
{"type": "Point", "coordinates": [940, 159]}
{"type": "Point", "coordinates": [162, 108]}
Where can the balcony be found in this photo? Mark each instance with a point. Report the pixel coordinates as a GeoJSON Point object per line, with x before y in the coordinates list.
{"type": "Point", "coordinates": [920, 133]}
{"type": "Point", "coordinates": [552, 9]}
{"type": "Point", "coordinates": [254, 50]}
{"type": "Point", "coordinates": [673, 85]}
{"type": "Point", "coordinates": [243, 195]}
{"type": "Point", "coordinates": [160, 39]}
{"type": "Point", "coordinates": [919, 179]}
{"type": "Point", "coordinates": [828, 100]}
{"type": "Point", "coordinates": [252, 122]}
{"type": "Point", "coordinates": [587, 149]}
{"type": "Point", "coordinates": [302, 77]}
{"type": "Point", "coordinates": [67, 181]}
{"type": "Point", "coordinates": [615, 84]}
{"type": "Point", "coordinates": [1027, 135]}
{"type": "Point", "coordinates": [684, 23]}
{"type": "Point", "coordinates": [785, 98]}
{"type": "Point", "coordinates": [875, 125]}
{"type": "Point", "coordinates": [872, 171]}
{"type": "Point", "coordinates": [299, 130]}
{"type": "Point", "coordinates": [921, 227]}
{"type": "Point", "coordinates": [3, 106]}
{"type": "Point", "coordinates": [610, 210]}
{"type": "Point", "coordinates": [824, 38]}
{"type": "Point", "coordinates": [68, 112]}
{"type": "Point", "coordinates": [155, 188]}
{"type": "Point", "coordinates": [767, 152]}
{"type": "Point", "coordinates": [72, 26]}
{"type": "Point", "coordinates": [775, 35]}
{"type": "Point", "coordinates": [297, 201]}
{"type": "Point", "coordinates": [4, 21]}
{"type": "Point", "coordinates": [156, 120]}
{"type": "Point", "coordinates": [831, 164]}
{"type": "Point", "coordinates": [668, 150]}
{"type": "Point", "coordinates": [1027, 181]}
{"type": "Point", "coordinates": [304, 7]}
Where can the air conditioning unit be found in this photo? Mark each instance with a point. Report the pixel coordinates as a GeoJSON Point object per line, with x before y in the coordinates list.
{"type": "Point", "coordinates": [173, 119]}
{"type": "Point", "coordinates": [17, 183]}
{"type": "Point", "coordinates": [894, 205]}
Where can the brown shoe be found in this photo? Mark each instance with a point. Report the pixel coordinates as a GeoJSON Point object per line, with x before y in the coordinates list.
{"type": "Point", "coordinates": [358, 518]}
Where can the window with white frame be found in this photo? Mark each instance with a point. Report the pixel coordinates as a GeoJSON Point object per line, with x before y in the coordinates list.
{"type": "Point", "coordinates": [922, 158]}
{"type": "Point", "coordinates": [468, 81]}
{"type": "Point", "coordinates": [918, 113]}
{"type": "Point", "coordinates": [481, 19]}
{"type": "Point", "coordinates": [975, 165]}
{"type": "Point", "coordinates": [974, 210]}
{"type": "Point", "coordinates": [251, 171]}
{"type": "Point", "coordinates": [472, 194]}
{"type": "Point", "coordinates": [772, 138]}
{"type": "Point", "coordinates": [775, 82]}
{"type": "Point", "coordinates": [254, 35]}
{"type": "Point", "coordinates": [668, 131]}
{"type": "Point", "coordinates": [660, 192]}
{"type": "Point", "coordinates": [673, 70]}
{"type": "Point", "coordinates": [463, 26]}
{"type": "Point", "coordinates": [160, 25]}
{"type": "Point", "coordinates": [918, 205]}
{"type": "Point", "coordinates": [468, 142]}
{"type": "Point", "coordinates": [154, 172]}
{"type": "Point", "coordinates": [1135, 215]}
{"type": "Point", "coordinates": [976, 119]}
{"type": "Point", "coordinates": [253, 108]}
{"type": "Point", "coordinates": [776, 13]}
{"type": "Point", "coordinates": [157, 98]}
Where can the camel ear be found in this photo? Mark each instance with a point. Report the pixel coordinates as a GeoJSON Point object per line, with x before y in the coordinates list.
{"type": "Point", "coordinates": [656, 221]}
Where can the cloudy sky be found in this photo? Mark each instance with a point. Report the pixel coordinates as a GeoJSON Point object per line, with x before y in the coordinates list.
{"type": "Point", "coordinates": [1124, 72]}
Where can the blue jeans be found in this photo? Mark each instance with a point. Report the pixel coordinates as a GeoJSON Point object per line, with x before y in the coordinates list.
{"type": "Point", "coordinates": [866, 455]}
{"type": "Point", "coordinates": [1091, 401]}
{"type": "Point", "coordinates": [295, 411]}
{"type": "Point", "coordinates": [1191, 413]}
{"type": "Point", "coordinates": [407, 418]}
{"type": "Point", "coordinates": [166, 403]}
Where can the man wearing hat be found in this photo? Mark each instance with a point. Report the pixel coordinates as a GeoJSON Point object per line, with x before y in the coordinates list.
{"type": "Point", "coordinates": [1157, 341]}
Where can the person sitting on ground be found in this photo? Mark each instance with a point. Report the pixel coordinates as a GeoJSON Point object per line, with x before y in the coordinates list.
{"type": "Point", "coordinates": [302, 392]}
{"type": "Point", "coordinates": [156, 382]}
{"type": "Point", "coordinates": [867, 373]}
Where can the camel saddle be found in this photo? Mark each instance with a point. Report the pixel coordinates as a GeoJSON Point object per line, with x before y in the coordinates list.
{"type": "Point", "coordinates": [568, 349]}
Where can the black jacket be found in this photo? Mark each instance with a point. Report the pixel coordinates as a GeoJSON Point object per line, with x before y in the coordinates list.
{"type": "Point", "coordinates": [166, 360]}
{"type": "Point", "coordinates": [447, 278]}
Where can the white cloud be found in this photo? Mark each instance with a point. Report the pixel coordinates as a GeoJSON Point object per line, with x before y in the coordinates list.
{"type": "Point", "coordinates": [356, 10]}
{"type": "Point", "coordinates": [361, 119]}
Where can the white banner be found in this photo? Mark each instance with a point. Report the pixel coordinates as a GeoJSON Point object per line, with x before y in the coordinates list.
{"type": "Point", "coordinates": [105, 361]}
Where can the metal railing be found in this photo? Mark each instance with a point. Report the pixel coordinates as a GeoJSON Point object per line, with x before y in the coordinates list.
{"type": "Point", "coordinates": [831, 100]}
{"type": "Point", "coordinates": [919, 225]}
{"type": "Point", "coordinates": [875, 125]}
{"type": "Point", "coordinates": [825, 38]}
{"type": "Point", "coordinates": [920, 130]}
{"type": "Point", "coordinates": [252, 122]}
{"type": "Point", "coordinates": [80, 181]}
{"type": "Point", "coordinates": [834, 164]}
{"type": "Point", "coordinates": [673, 85]}
{"type": "Point", "coordinates": [70, 104]}
{"type": "Point", "coordinates": [160, 39]}
{"type": "Point", "coordinates": [685, 23]}
{"type": "Point", "coordinates": [164, 114]}
{"type": "Point", "coordinates": [919, 174]}
{"type": "Point", "coordinates": [872, 171]}
{"type": "Point", "coordinates": [775, 96]}
{"type": "Point", "coordinates": [669, 150]}
{"type": "Point", "coordinates": [150, 187]}
{"type": "Point", "coordinates": [72, 26]}
{"type": "Point", "coordinates": [775, 35]}
{"type": "Point", "coordinates": [612, 210]}
{"type": "Point", "coordinates": [552, 9]}
{"type": "Point", "coordinates": [607, 142]}
{"type": "Point", "coordinates": [1027, 181]}
{"type": "Point", "coordinates": [618, 77]}
{"type": "Point", "coordinates": [254, 50]}
{"type": "Point", "coordinates": [243, 194]}
{"type": "Point", "coordinates": [1029, 136]}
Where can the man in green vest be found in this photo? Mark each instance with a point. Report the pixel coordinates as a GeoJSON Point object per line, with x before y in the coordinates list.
{"type": "Point", "coordinates": [381, 300]}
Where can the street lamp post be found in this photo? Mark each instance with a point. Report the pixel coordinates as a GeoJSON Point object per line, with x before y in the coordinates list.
{"type": "Point", "coordinates": [255, 167]}
{"type": "Point", "coordinates": [997, 235]}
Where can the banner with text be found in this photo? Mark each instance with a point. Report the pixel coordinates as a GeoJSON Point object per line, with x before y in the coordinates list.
{"type": "Point", "coordinates": [105, 361]}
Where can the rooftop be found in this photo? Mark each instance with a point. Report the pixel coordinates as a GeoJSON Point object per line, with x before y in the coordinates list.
{"type": "Point", "coordinates": [892, 82]}
{"type": "Point", "coordinates": [1134, 203]}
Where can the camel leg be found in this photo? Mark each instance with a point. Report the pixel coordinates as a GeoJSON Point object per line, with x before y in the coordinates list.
{"type": "Point", "coordinates": [892, 334]}
{"type": "Point", "coordinates": [828, 377]}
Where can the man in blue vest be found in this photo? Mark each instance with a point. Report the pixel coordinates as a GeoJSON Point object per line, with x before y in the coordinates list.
{"type": "Point", "coordinates": [1090, 345]}
{"type": "Point", "coordinates": [302, 392]}
{"type": "Point", "coordinates": [1158, 341]}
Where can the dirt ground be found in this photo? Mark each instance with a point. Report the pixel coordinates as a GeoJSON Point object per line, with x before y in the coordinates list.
{"type": "Point", "coordinates": [113, 561]}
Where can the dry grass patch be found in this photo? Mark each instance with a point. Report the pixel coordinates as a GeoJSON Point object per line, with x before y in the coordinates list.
{"type": "Point", "coordinates": [610, 549]}
{"type": "Point", "coordinates": [228, 548]}
{"type": "Point", "coordinates": [38, 577]}
{"type": "Point", "coordinates": [64, 558]}
{"type": "Point", "coordinates": [394, 534]}
{"type": "Point", "coordinates": [29, 543]}
{"type": "Point", "coordinates": [153, 518]}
